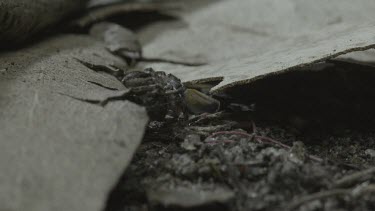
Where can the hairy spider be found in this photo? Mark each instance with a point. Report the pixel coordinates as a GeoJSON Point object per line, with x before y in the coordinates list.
{"type": "Point", "coordinates": [162, 94]}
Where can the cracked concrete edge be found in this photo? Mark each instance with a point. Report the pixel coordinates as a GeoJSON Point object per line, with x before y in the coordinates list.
{"type": "Point", "coordinates": [288, 56]}
{"type": "Point", "coordinates": [352, 40]}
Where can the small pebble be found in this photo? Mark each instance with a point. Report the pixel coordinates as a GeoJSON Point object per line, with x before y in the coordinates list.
{"type": "Point", "coordinates": [370, 152]}
{"type": "Point", "coordinates": [191, 142]}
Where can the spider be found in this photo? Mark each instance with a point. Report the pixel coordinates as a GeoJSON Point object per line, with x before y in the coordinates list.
{"type": "Point", "coordinates": [163, 95]}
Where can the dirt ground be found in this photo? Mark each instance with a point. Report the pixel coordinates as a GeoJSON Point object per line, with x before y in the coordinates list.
{"type": "Point", "coordinates": [241, 159]}
{"type": "Point", "coordinates": [267, 167]}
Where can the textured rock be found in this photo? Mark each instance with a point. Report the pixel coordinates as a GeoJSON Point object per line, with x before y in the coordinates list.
{"type": "Point", "coordinates": [56, 152]}
{"type": "Point", "coordinates": [20, 19]}
{"type": "Point", "coordinates": [244, 40]}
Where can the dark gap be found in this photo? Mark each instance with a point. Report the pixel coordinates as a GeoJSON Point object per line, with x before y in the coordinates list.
{"type": "Point", "coordinates": [170, 61]}
{"type": "Point", "coordinates": [119, 197]}
{"type": "Point", "coordinates": [101, 85]}
{"type": "Point", "coordinates": [95, 102]}
{"type": "Point", "coordinates": [126, 95]}
{"type": "Point", "coordinates": [339, 96]}
{"type": "Point", "coordinates": [204, 85]}
{"type": "Point", "coordinates": [110, 70]}
{"type": "Point", "coordinates": [137, 20]}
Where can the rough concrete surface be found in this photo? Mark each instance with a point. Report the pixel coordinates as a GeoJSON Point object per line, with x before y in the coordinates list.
{"type": "Point", "coordinates": [20, 19]}
{"type": "Point", "coordinates": [59, 153]}
{"type": "Point", "coordinates": [242, 39]}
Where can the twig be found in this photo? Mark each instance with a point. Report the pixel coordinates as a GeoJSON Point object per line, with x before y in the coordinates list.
{"type": "Point", "coordinates": [346, 165]}
{"type": "Point", "coordinates": [261, 139]}
{"type": "Point", "coordinates": [254, 127]}
{"type": "Point", "coordinates": [233, 133]}
{"type": "Point", "coordinates": [355, 178]}
{"type": "Point", "coordinates": [210, 128]}
{"type": "Point", "coordinates": [221, 141]}
{"type": "Point", "coordinates": [253, 163]}
{"type": "Point", "coordinates": [226, 133]}
{"type": "Point", "coordinates": [316, 196]}
{"type": "Point", "coordinates": [329, 193]}
{"type": "Point", "coordinates": [205, 116]}
{"type": "Point", "coordinates": [278, 143]}
{"type": "Point", "coordinates": [272, 141]}
{"type": "Point", "coordinates": [316, 158]}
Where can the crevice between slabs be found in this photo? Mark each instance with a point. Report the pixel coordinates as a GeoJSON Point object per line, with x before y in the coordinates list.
{"type": "Point", "coordinates": [333, 94]}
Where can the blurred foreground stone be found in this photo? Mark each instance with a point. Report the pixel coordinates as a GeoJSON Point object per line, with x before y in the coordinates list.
{"type": "Point", "coordinates": [56, 152]}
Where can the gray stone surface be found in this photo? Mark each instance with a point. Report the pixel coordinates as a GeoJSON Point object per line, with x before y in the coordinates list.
{"type": "Point", "coordinates": [21, 19]}
{"type": "Point", "coordinates": [58, 153]}
{"type": "Point", "coordinates": [188, 197]}
{"type": "Point", "coordinates": [246, 39]}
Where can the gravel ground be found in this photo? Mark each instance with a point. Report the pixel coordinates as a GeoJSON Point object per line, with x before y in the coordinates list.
{"type": "Point", "coordinates": [265, 168]}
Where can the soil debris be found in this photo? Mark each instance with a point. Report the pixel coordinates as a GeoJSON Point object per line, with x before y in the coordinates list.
{"type": "Point", "coordinates": [264, 165]}
{"type": "Point", "coordinates": [235, 159]}
{"type": "Point", "coordinates": [262, 175]}
{"type": "Point", "coordinates": [190, 196]}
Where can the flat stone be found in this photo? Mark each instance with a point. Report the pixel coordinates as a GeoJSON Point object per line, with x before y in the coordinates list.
{"type": "Point", "coordinates": [56, 152]}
